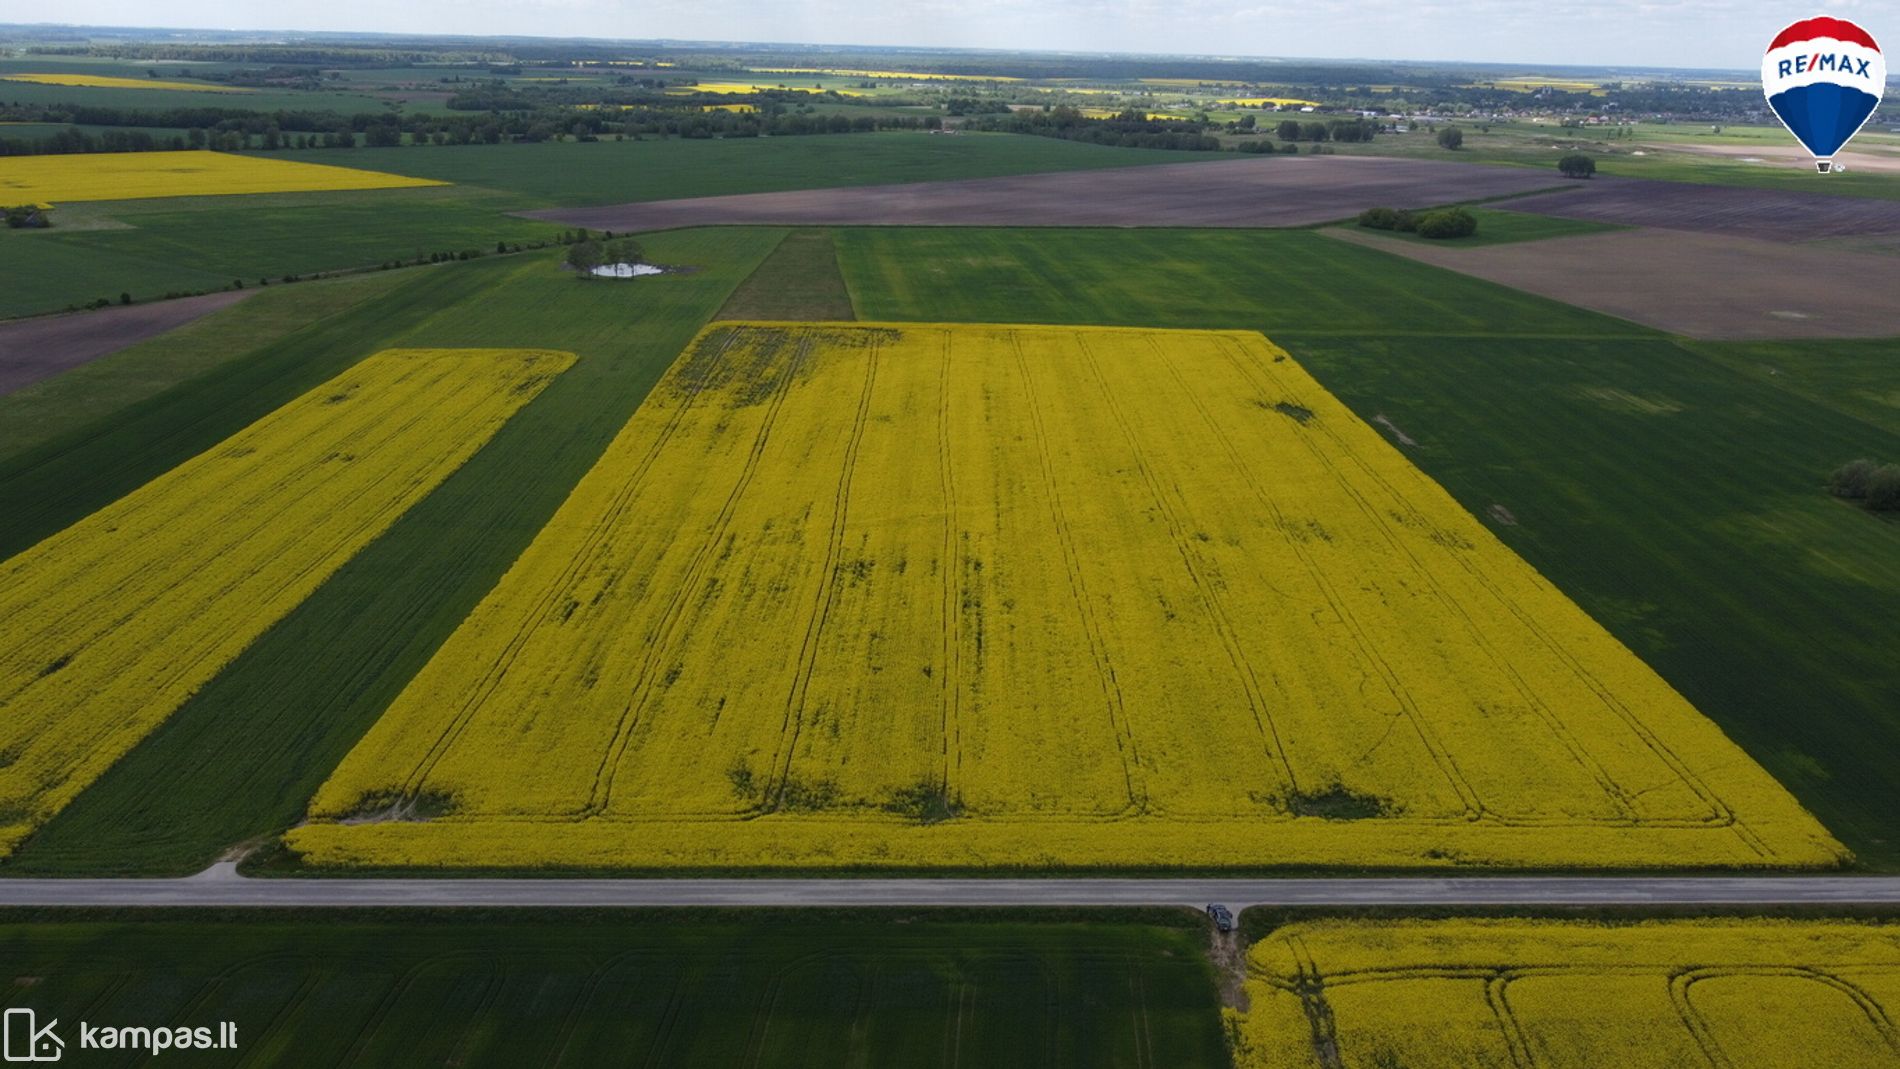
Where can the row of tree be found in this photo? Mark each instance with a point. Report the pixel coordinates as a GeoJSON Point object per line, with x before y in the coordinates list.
{"type": "Point", "coordinates": [1326, 130]}
{"type": "Point", "coordinates": [1128, 129]}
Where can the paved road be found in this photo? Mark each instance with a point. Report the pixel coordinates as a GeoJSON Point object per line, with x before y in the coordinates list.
{"type": "Point", "coordinates": [222, 886]}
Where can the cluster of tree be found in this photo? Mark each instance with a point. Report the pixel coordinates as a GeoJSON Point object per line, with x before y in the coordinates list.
{"type": "Point", "coordinates": [1438, 223]}
{"type": "Point", "coordinates": [586, 254]}
{"type": "Point", "coordinates": [1876, 486]}
{"type": "Point", "coordinates": [1265, 147]}
{"type": "Point", "coordinates": [490, 97]}
{"type": "Point", "coordinates": [975, 106]}
{"type": "Point", "coordinates": [1326, 130]}
{"type": "Point", "coordinates": [1577, 165]}
{"type": "Point", "coordinates": [1129, 129]}
{"type": "Point", "coordinates": [273, 77]}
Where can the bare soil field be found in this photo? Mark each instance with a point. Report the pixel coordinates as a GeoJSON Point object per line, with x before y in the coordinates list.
{"type": "Point", "coordinates": [1699, 285]}
{"type": "Point", "coordinates": [1873, 158]}
{"type": "Point", "coordinates": [1773, 215]}
{"type": "Point", "coordinates": [41, 347]}
{"type": "Point", "coordinates": [1261, 191]}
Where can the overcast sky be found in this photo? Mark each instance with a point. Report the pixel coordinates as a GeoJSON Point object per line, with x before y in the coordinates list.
{"type": "Point", "coordinates": [1661, 33]}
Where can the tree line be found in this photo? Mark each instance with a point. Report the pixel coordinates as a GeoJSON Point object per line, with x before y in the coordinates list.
{"type": "Point", "coordinates": [1128, 129]}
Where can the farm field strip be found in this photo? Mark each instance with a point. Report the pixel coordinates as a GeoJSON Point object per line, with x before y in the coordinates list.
{"type": "Point", "coordinates": [447, 988]}
{"type": "Point", "coordinates": [144, 175]}
{"type": "Point", "coordinates": [110, 625]}
{"type": "Point", "coordinates": [1571, 995]}
{"type": "Point", "coordinates": [1083, 596]}
{"type": "Point", "coordinates": [103, 81]}
{"type": "Point", "coordinates": [1222, 192]}
{"type": "Point", "coordinates": [1748, 288]}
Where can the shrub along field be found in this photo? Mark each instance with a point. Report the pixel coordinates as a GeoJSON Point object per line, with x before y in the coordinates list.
{"type": "Point", "coordinates": [757, 989]}
{"type": "Point", "coordinates": [1675, 490]}
{"type": "Point", "coordinates": [1079, 596]}
{"type": "Point", "coordinates": [1501, 227]}
{"type": "Point", "coordinates": [1448, 994]}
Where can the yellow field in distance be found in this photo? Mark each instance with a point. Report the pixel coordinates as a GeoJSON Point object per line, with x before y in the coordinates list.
{"type": "Point", "coordinates": [915, 75]}
{"type": "Point", "coordinates": [1110, 113]}
{"type": "Point", "coordinates": [109, 626]}
{"type": "Point", "coordinates": [728, 88]}
{"type": "Point", "coordinates": [1261, 102]}
{"type": "Point", "coordinates": [968, 595]}
{"type": "Point", "coordinates": [1742, 994]}
{"type": "Point", "coordinates": [144, 175]}
{"type": "Point", "coordinates": [101, 81]}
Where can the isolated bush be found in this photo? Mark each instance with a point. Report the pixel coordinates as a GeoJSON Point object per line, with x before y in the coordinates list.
{"type": "Point", "coordinates": [1451, 138]}
{"type": "Point", "coordinates": [1850, 479]}
{"type": "Point", "coordinates": [1876, 486]}
{"type": "Point", "coordinates": [1883, 489]}
{"type": "Point", "coordinates": [1577, 165]}
{"type": "Point", "coordinates": [1447, 223]}
{"type": "Point", "coordinates": [1379, 218]}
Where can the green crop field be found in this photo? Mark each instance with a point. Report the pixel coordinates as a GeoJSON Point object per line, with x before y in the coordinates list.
{"type": "Point", "coordinates": [800, 280]}
{"type": "Point", "coordinates": [244, 755]}
{"type": "Point", "coordinates": [1673, 489]}
{"type": "Point", "coordinates": [611, 172]}
{"type": "Point", "coordinates": [150, 248]}
{"type": "Point", "coordinates": [91, 392]}
{"type": "Point", "coordinates": [755, 989]}
{"type": "Point", "coordinates": [1278, 281]}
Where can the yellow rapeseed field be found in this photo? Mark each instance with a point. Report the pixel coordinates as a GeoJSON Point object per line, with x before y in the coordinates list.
{"type": "Point", "coordinates": [915, 75]}
{"type": "Point", "coordinates": [1261, 102]}
{"type": "Point", "coordinates": [968, 595]}
{"type": "Point", "coordinates": [100, 81]}
{"type": "Point", "coordinates": [1740, 994]}
{"type": "Point", "coordinates": [1110, 113]}
{"type": "Point", "coordinates": [109, 626]}
{"type": "Point", "coordinates": [144, 175]}
{"type": "Point", "coordinates": [727, 88]}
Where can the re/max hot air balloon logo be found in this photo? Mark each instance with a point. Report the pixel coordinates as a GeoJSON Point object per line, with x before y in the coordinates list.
{"type": "Point", "coordinates": [1824, 77]}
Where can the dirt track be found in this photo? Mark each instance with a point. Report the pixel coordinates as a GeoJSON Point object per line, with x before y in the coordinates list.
{"type": "Point", "coordinates": [41, 347]}
{"type": "Point", "coordinates": [1247, 192]}
{"type": "Point", "coordinates": [1699, 285]}
{"type": "Point", "coordinates": [1773, 215]}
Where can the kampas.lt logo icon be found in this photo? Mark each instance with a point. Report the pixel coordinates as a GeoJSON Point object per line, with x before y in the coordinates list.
{"type": "Point", "coordinates": [1824, 77]}
{"type": "Point", "coordinates": [29, 1041]}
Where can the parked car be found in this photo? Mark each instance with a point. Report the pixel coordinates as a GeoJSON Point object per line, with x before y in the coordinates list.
{"type": "Point", "coordinates": [1223, 920]}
